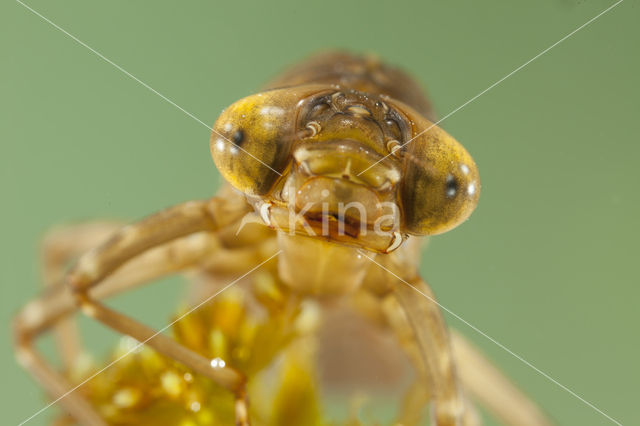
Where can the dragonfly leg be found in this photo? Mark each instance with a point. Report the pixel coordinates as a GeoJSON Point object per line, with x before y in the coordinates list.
{"type": "Point", "coordinates": [167, 242]}
{"type": "Point", "coordinates": [425, 319]}
{"type": "Point", "coordinates": [492, 388]}
{"type": "Point", "coordinates": [60, 247]}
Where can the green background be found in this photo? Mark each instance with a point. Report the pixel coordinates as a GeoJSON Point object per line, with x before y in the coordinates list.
{"type": "Point", "coordinates": [547, 265]}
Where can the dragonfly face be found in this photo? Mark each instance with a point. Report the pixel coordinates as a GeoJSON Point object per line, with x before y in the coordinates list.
{"type": "Point", "coordinates": [348, 166]}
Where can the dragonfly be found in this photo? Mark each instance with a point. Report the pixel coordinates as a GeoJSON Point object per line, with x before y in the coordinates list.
{"type": "Point", "coordinates": [303, 274]}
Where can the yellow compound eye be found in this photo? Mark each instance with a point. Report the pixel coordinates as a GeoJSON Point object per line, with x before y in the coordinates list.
{"type": "Point", "coordinates": [440, 185]}
{"type": "Point", "coordinates": [250, 144]}
{"type": "Point", "coordinates": [251, 140]}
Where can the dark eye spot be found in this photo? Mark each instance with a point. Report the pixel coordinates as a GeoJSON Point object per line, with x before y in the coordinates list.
{"type": "Point", "coordinates": [451, 187]}
{"type": "Point", "coordinates": [238, 137]}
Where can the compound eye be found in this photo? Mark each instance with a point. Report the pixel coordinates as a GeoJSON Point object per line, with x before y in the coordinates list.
{"type": "Point", "coordinates": [440, 186]}
{"type": "Point", "coordinates": [250, 144]}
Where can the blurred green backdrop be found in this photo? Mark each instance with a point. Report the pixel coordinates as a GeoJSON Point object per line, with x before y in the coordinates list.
{"type": "Point", "coordinates": [548, 263]}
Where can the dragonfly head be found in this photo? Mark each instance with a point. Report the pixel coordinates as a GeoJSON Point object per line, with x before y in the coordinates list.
{"type": "Point", "coordinates": [344, 165]}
